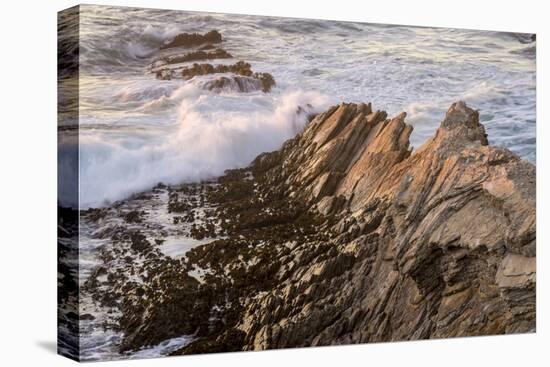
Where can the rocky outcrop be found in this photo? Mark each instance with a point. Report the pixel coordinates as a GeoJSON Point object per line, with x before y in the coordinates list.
{"type": "Point", "coordinates": [242, 79]}
{"type": "Point", "coordinates": [438, 243]}
{"type": "Point", "coordinates": [193, 39]}
{"type": "Point", "coordinates": [345, 235]}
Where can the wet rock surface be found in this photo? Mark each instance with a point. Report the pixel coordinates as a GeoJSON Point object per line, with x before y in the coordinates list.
{"type": "Point", "coordinates": [344, 235]}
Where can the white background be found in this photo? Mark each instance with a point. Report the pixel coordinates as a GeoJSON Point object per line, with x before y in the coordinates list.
{"type": "Point", "coordinates": [28, 182]}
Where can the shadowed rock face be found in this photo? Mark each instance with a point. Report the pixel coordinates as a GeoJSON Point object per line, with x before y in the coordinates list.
{"type": "Point", "coordinates": [345, 235]}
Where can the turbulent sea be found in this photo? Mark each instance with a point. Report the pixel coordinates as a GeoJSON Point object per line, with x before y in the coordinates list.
{"type": "Point", "coordinates": [136, 131]}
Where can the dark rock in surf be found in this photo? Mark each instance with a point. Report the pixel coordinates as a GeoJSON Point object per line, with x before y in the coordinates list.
{"type": "Point", "coordinates": [193, 39]}
{"type": "Point", "coordinates": [134, 216]}
{"type": "Point", "coordinates": [240, 68]}
{"type": "Point", "coordinates": [164, 74]}
{"type": "Point", "coordinates": [244, 80]}
{"type": "Point", "coordinates": [242, 84]}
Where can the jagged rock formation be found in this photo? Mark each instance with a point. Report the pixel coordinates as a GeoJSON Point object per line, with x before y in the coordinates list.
{"type": "Point", "coordinates": [439, 243]}
{"type": "Point", "coordinates": [342, 236]}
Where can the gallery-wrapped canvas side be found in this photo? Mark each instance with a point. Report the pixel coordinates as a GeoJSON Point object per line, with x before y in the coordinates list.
{"type": "Point", "coordinates": [67, 183]}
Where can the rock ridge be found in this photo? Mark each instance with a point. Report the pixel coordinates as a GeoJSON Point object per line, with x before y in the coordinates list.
{"type": "Point", "coordinates": [434, 231]}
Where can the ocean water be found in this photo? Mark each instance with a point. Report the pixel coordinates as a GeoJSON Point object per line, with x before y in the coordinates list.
{"type": "Point", "coordinates": [136, 131]}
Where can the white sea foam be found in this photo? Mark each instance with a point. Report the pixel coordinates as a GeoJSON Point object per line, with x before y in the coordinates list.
{"type": "Point", "coordinates": [205, 141]}
{"type": "Point", "coordinates": [164, 348]}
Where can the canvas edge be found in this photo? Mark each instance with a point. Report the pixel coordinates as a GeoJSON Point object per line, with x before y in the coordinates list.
{"type": "Point", "coordinates": [68, 313]}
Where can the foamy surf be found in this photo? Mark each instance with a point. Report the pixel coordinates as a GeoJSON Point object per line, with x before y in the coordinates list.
{"type": "Point", "coordinates": [205, 140]}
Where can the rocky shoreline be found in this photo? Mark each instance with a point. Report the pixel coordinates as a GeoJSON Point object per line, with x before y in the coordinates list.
{"type": "Point", "coordinates": [344, 235]}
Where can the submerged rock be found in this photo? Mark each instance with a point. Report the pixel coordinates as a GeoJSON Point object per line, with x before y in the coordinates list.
{"type": "Point", "coordinates": [239, 68]}
{"type": "Point", "coordinates": [193, 39]}
{"type": "Point", "coordinates": [245, 81]}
